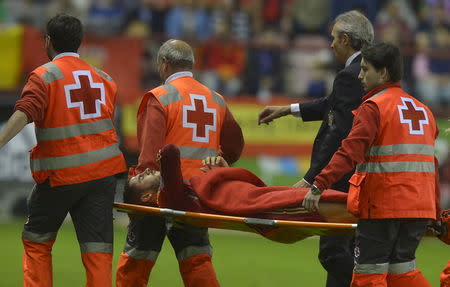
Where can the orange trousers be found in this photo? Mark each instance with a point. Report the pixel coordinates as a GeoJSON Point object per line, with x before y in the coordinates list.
{"type": "Point", "coordinates": [410, 279]}
{"type": "Point", "coordinates": [37, 266]}
{"type": "Point", "coordinates": [445, 276]}
{"type": "Point", "coordinates": [196, 271]}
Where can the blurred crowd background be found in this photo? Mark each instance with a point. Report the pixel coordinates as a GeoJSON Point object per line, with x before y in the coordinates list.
{"type": "Point", "coordinates": [254, 52]}
{"type": "Point", "coordinates": [241, 44]}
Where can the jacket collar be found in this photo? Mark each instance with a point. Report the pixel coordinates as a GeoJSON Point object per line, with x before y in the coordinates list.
{"type": "Point", "coordinates": [380, 88]}
{"type": "Point", "coordinates": [178, 75]}
{"type": "Point", "coordinates": [65, 54]}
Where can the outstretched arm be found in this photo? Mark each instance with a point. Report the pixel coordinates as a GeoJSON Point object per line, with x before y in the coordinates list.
{"type": "Point", "coordinates": [169, 161]}
{"type": "Point", "coordinates": [270, 113]}
{"type": "Point", "coordinates": [15, 124]}
{"type": "Point", "coordinates": [29, 108]}
{"type": "Point", "coordinates": [172, 187]}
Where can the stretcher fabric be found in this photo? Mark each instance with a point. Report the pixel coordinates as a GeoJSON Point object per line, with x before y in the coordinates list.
{"type": "Point", "coordinates": [282, 231]}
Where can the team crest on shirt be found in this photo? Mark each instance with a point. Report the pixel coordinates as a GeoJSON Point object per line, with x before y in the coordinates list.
{"type": "Point", "coordinates": [200, 118]}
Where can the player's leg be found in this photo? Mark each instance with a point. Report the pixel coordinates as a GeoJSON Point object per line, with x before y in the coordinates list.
{"type": "Point", "coordinates": [47, 208]}
{"type": "Point", "coordinates": [143, 243]}
{"type": "Point", "coordinates": [402, 268]}
{"type": "Point", "coordinates": [194, 252]}
{"type": "Point", "coordinates": [93, 221]}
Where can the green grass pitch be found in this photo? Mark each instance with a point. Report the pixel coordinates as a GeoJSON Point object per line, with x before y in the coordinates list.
{"type": "Point", "coordinates": [240, 259]}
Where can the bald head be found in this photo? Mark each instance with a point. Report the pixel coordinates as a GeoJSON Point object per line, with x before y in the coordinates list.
{"type": "Point", "coordinates": [178, 54]}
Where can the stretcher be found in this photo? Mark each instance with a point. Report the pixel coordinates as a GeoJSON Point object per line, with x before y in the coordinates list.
{"type": "Point", "coordinates": [282, 231]}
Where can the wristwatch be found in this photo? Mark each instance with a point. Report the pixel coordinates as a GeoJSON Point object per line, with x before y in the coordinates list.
{"type": "Point", "coordinates": [315, 190]}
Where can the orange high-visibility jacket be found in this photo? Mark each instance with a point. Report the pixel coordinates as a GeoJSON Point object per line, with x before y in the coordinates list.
{"type": "Point", "coordinates": [195, 115]}
{"type": "Point", "coordinates": [76, 140]}
{"type": "Point", "coordinates": [397, 179]}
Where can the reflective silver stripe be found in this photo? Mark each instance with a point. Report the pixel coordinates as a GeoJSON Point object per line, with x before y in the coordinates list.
{"type": "Point", "coordinates": [196, 152]}
{"type": "Point", "coordinates": [38, 237]}
{"type": "Point", "coordinates": [376, 95]}
{"type": "Point", "coordinates": [75, 159]}
{"type": "Point", "coordinates": [96, 247]}
{"type": "Point", "coordinates": [400, 166]}
{"type": "Point", "coordinates": [171, 212]}
{"type": "Point", "coordinates": [102, 74]}
{"type": "Point", "coordinates": [193, 250]}
{"type": "Point", "coordinates": [217, 99]}
{"type": "Point", "coordinates": [74, 130]}
{"type": "Point", "coordinates": [400, 268]}
{"type": "Point", "coordinates": [172, 95]}
{"type": "Point", "coordinates": [140, 254]}
{"type": "Point", "coordinates": [53, 73]}
{"type": "Point", "coordinates": [371, 268]}
{"type": "Point", "coordinates": [260, 221]}
{"type": "Point", "coordinates": [401, 149]}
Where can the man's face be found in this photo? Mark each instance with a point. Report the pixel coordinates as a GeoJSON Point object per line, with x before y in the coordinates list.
{"type": "Point", "coordinates": [339, 46]}
{"type": "Point", "coordinates": [370, 77]}
{"type": "Point", "coordinates": [149, 179]}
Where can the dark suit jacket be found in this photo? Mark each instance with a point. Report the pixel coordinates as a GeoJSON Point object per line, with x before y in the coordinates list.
{"type": "Point", "coordinates": [335, 112]}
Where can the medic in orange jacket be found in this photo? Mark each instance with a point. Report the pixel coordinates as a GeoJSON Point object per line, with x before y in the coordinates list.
{"type": "Point", "coordinates": [382, 150]}
{"type": "Point", "coordinates": [76, 157]}
{"type": "Point", "coordinates": [393, 191]}
{"type": "Point", "coordinates": [216, 132]}
{"type": "Point", "coordinates": [196, 119]}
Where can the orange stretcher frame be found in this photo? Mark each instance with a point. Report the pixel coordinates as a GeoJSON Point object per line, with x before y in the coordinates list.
{"type": "Point", "coordinates": [282, 231]}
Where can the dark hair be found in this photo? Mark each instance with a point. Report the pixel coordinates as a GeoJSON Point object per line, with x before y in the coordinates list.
{"type": "Point", "coordinates": [131, 194]}
{"type": "Point", "coordinates": [385, 55]}
{"type": "Point", "coordinates": [66, 33]}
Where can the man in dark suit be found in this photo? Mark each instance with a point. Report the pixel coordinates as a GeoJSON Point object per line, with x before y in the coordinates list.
{"type": "Point", "coordinates": [351, 32]}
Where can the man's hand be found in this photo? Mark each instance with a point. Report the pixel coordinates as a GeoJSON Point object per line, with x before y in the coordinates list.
{"type": "Point", "coordinates": [311, 201]}
{"type": "Point", "coordinates": [302, 183]}
{"type": "Point", "coordinates": [273, 112]}
{"type": "Point", "coordinates": [213, 162]}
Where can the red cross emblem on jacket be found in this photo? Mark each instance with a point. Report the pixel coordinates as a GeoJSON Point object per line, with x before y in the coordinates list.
{"type": "Point", "coordinates": [85, 95]}
{"type": "Point", "coordinates": [200, 118]}
{"type": "Point", "coordinates": [412, 115]}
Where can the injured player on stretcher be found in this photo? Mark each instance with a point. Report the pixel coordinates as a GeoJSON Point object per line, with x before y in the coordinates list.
{"type": "Point", "coordinates": [228, 191]}
{"type": "Point", "coordinates": [235, 191]}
